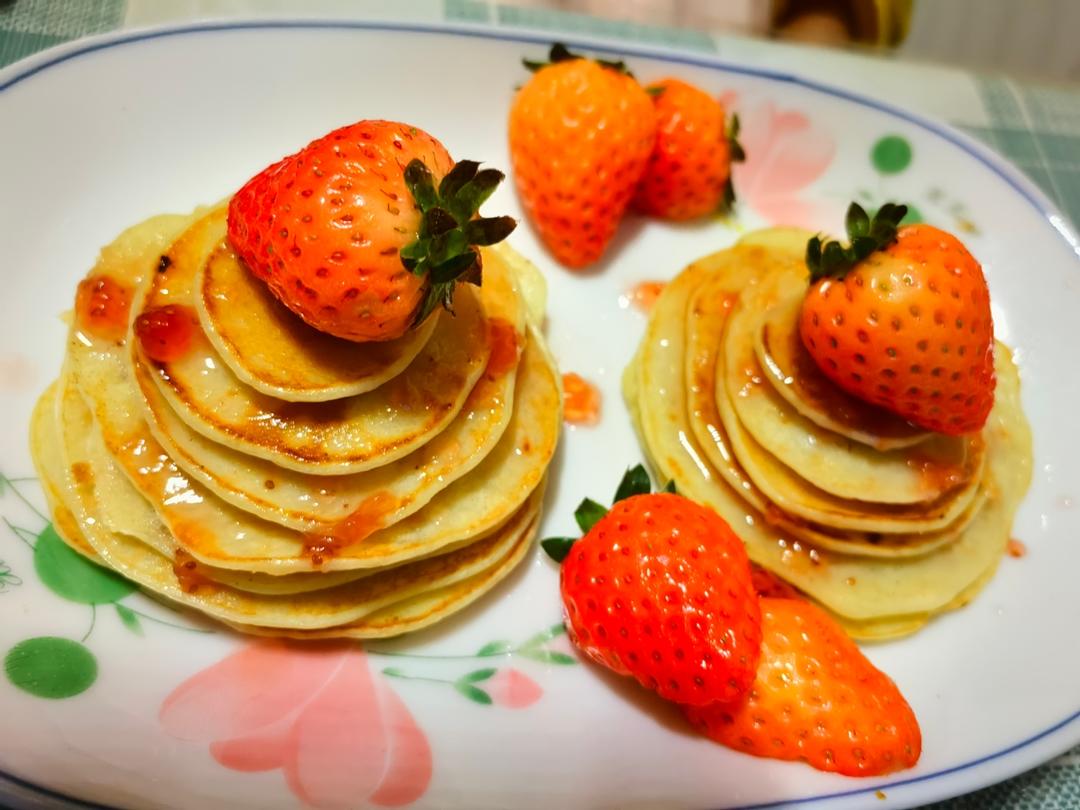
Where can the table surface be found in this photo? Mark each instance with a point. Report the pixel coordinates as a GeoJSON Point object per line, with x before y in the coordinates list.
{"type": "Point", "coordinates": [1037, 127]}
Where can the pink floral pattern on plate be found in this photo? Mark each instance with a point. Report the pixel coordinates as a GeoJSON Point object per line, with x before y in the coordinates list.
{"type": "Point", "coordinates": [341, 735]}
{"type": "Point", "coordinates": [785, 153]}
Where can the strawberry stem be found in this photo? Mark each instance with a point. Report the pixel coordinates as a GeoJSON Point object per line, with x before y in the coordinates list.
{"type": "Point", "coordinates": [865, 235]}
{"type": "Point", "coordinates": [560, 53]}
{"type": "Point", "coordinates": [635, 481]}
{"type": "Point", "coordinates": [736, 154]}
{"type": "Point", "coordinates": [450, 230]}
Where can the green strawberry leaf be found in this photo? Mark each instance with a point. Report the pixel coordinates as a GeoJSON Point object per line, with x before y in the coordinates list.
{"type": "Point", "coordinates": [444, 249]}
{"type": "Point", "coordinates": [857, 222]}
{"type": "Point", "coordinates": [669, 487]}
{"type": "Point", "coordinates": [635, 482]}
{"type": "Point", "coordinates": [473, 694]}
{"type": "Point", "coordinates": [453, 269]}
{"type": "Point", "coordinates": [560, 53]}
{"type": "Point", "coordinates": [489, 230]}
{"type": "Point", "coordinates": [467, 200]}
{"type": "Point", "coordinates": [494, 648]}
{"type": "Point", "coordinates": [588, 514]}
{"type": "Point", "coordinates": [421, 184]}
{"type": "Point", "coordinates": [476, 675]}
{"type": "Point", "coordinates": [130, 619]}
{"type": "Point", "coordinates": [866, 234]}
{"type": "Point", "coordinates": [462, 173]}
{"type": "Point", "coordinates": [437, 222]}
{"type": "Point", "coordinates": [655, 90]}
{"type": "Point", "coordinates": [558, 547]}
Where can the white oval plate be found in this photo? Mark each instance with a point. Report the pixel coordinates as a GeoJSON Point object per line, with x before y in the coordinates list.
{"type": "Point", "coordinates": [100, 134]}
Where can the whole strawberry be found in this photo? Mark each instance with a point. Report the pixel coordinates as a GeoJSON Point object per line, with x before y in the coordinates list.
{"type": "Point", "coordinates": [817, 699]}
{"type": "Point", "coordinates": [363, 232]}
{"type": "Point", "coordinates": [689, 170]}
{"type": "Point", "coordinates": [901, 318]}
{"type": "Point", "coordinates": [580, 134]}
{"type": "Point", "coordinates": [660, 588]}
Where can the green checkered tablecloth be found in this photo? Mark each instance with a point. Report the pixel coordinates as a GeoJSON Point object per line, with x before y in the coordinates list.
{"type": "Point", "coordinates": [1036, 127]}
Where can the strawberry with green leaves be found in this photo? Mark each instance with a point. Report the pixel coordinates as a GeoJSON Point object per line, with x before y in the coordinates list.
{"type": "Point", "coordinates": [659, 588]}
{"type": "Point", "coordinates": [816, 699]}
{"type": "Point", "coordinates": [581, 131]}
{"type": "Point", "coordinates": [900, 317]}
{"type": "Point", "coordinates": [689, 171]}
{"type": "Point", "coordinates": [365, 231]}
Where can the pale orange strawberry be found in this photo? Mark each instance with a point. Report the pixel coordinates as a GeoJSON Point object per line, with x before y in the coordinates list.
{"type": "Point", "coordinates": [689, 170]}
{"type": "Point", "coordinates": [581, 132]}
{"type": "Point", "coordinates": [659, 588]}
{"type": "Point", "coordinates": [901, 318]}
{"type": "Point", "coordinates": [816, 699]}
{"type": "Point", "coordinates": [363, 232]}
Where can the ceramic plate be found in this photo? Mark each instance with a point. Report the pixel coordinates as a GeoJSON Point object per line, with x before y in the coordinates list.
{"type": "Point", "coordinates": [126, 703]}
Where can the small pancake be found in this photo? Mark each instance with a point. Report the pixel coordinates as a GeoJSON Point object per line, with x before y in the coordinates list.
{"type": "Point", "coordinates": [828, 460]}
{"type": "Point", "coordinates": [521, 445]}
{"type": "Point", "coordinates": [326, 438]}
{"type": "Point", "coordinates": [315, 502]}
{"type": "Point", "coordinates": [862, 589]}
{"type": "Point", "coordinates": [275, 352]}
{"type": "Point", "coordinates": [321, 609]}
{"type": "Point", "coordinates": [795, 376]}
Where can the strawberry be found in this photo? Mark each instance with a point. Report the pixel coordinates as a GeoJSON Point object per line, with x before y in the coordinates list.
{"type": "Point", "coordinates": [659, 588]}
{"type": "Point", "coordinates": [901, 318]}
{"type": "Point", "coordinates": [817, 699]}
{"type": "Point", "coordinates": [689, 171]}
{"type": "Point", "coordinates": [363, 232]}
{"type": "Point", "coordinates": [580, 134]}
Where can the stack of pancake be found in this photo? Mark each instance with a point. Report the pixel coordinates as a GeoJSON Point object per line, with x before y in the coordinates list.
{"type": "Point", "coordinates": [288, 482]}
{"type": "Point", "coordinates": [881, 522]}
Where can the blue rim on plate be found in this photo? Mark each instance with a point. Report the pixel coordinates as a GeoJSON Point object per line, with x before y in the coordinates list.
{"type": "Point", "coordinates": [1054, 740]}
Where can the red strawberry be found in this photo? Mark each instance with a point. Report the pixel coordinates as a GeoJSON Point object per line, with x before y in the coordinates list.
{"type": "Point", "coordinates": [817, 699]}
{"type": "Point", "coordinates": [580, 134]}
{"type": "Point", "coordinates": [689, 171]}
{"type": "Point", "coordinates": [901, 318]}
{"type": "Point", "coordinates": [363, 232]}
{"type": "Point", "coordinates": [659, 588]}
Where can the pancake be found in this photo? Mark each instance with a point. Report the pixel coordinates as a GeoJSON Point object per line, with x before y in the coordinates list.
{"type": "Point", "coordinates": [328, 438]}
{"type": "Point", "coordinates": [828, 460]}
{"type": "Point", "coordinates": [709, 309]}
{"type": "Point", "coordinates": [321, 609]}
{"type": "Point", "coordinates": [794, 375]}
{"type": "Point", "coordinates": [420, 611]}
{"type": "Point", "coordinates": [126, 512]}
{"type": "Point", "coordinates": [860, 589]}
{"type": "Point", "coordinates": [221, 535]}
{"type": "Point", "coordinates": [315, 502]}
{"type": "Point", "coordinates": [269, 348]}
